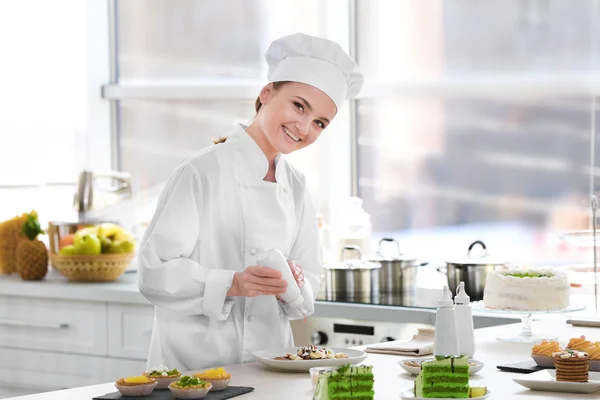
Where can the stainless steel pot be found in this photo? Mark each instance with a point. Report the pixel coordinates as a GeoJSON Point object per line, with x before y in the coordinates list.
{"type": "Point", "coordinates": [473, 271]}
{"type": "Point", "coordinates": [352, 280]}
{"type": "Point", "coordinates": [398, 273]}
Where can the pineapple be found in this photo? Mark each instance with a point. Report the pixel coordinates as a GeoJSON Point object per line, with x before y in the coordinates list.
{"type": "Point", "coordinates": [32, 256]}
{"type": "Point", "coordinates": [10, 237]}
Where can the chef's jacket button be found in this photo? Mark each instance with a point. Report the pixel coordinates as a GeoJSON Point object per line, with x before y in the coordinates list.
{"type": "Point", "coordinates": [251, 318]}
{"type": "Point", "coordinates": [253, 252]}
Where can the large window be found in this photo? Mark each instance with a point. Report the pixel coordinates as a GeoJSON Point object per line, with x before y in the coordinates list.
{"type": "Point", "coordinates": [43, 122]}
{"type": "Point", "coordinates": [485, 132]}
{"type": "Point", "coordinates": [476, 121]}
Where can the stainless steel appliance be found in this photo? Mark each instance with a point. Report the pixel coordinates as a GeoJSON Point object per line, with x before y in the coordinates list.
{"type": "Point", "coordinates": [339, 332]}
{"type": "Point", "coordinates": [472, 270]}
{"type": "Point", "coordinates": [398, 272]}
{"type": "Point", "coordinates": [352, 280]}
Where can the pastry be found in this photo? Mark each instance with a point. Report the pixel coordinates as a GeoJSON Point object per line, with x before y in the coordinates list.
{"type": "Point", "coordinates": [571, 366]}
{"type": "Point", "coordinates": [345, 382]}
{"type": "Point", "coordinates": [135, 386]}
{"type": "Point", "coordinates": [443, 377]}
{"type": "Point", "coordinates": [217, 377]}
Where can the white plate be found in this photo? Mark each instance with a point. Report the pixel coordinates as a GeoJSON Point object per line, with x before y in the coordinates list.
{"type": "Point", "coordinates": [408, 394]}
{"type": "Point", "coordinates": [266, 357]}
{"type": "Point", "coordinates": [546, 380]}
{"type": "Point", "coordinates": [415, 370]}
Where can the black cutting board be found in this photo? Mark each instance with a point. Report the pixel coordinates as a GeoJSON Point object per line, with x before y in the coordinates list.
{"type": "Point", "coordinates": [165, 394]}
{"type": "Point", "coordinates": [522, 367]}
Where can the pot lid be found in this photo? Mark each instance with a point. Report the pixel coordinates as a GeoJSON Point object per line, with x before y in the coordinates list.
{"type": "Point", "coordinates": [477, 257]}
{"type": "Point", "coordinates": [391, 253]}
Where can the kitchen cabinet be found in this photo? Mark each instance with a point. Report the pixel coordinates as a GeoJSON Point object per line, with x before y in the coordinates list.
{"type": "Point", "coordinates": [56, 334]}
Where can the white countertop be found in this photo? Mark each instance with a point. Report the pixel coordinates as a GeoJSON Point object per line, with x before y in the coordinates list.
{"type": "Point", "coordinates": [56, 286]}
{"type": "Point", "coordinates": [390, 379]}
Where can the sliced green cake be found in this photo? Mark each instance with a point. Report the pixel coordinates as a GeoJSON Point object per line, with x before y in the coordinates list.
{"type": "Point", "coordinates": [443, 377]}
{"type": "Point", "coordinates": [346, 382]}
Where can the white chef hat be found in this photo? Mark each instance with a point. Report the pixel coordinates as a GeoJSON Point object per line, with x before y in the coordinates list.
{"type": "Point", "coordinates": [317, 62]}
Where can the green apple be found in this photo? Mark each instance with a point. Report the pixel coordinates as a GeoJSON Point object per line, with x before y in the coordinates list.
{"type": "Point", "coordinates": [67, 250]}
{"type": "Point", "coordinates": [92, 230]}
{"type": "Point", "coordinates": [108, 230]}
{"type": "Point", "coordinates": [88, 245]}
{"type": "Point", "coordinates": [121, 246]}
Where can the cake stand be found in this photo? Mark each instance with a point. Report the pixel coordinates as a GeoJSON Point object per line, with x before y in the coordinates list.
{"type": "Point", "coordinates": [527, 335]}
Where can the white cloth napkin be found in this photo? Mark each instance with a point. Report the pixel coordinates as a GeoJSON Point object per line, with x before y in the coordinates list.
{"type": "Point", "coordinates": [420, 345]}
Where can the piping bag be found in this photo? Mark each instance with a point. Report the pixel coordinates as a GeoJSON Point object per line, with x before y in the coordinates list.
{"type": "Point", "coordinates": [292, 296]}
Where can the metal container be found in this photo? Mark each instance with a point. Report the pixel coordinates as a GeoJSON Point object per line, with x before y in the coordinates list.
{"type": "Point", "coordinates": [352, 280]}
{"type": "Point", "coordinates": [472, 270]}
{"type": "Point", "coordinates": [398, 273]}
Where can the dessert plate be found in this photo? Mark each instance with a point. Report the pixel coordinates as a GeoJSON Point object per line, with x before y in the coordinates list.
{"type": "Point", "coordinates": [408, 394]}
{"type": "Point", "coordinates": [413, 365]}
{"type": "Point", "coordinates": [545, 380]}
{"type": "Point", "coordinates": [265, 357]}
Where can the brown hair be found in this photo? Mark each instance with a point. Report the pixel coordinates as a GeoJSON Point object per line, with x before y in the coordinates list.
{"type": "Point", "coordinates": [257, 106]}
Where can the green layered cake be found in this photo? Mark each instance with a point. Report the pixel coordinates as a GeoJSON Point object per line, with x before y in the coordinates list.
{"type": "Point", "coordinates": [443, 377]}
{"type": "Point", "coordinates": [346, 382]}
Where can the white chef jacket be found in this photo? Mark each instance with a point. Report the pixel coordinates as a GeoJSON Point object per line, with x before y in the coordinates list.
{"type": "Point", "coordinates": [214, 216]}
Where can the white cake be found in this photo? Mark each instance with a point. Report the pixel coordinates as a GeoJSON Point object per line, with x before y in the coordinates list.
{"type": "Point", "coordinates": [526, 290]}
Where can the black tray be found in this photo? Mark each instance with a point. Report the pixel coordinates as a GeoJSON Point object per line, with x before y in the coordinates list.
{"type": "Point", "coordinates": [522, 367]}
{"type": "Point", "coordinates": [165, 394]}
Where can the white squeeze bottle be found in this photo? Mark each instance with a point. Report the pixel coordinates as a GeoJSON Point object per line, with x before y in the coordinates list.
{"type": "Point", "coordinates": [464, 322]}
{"type": "Point", "coordinates": [445, 342]}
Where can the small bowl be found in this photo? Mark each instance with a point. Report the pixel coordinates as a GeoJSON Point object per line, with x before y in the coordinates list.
{"type": "Point", "coordinates": [163, 382]}
{"type": "Point", "coordinates": [315, 372]}
{"type": "Point", "coordinates": [191, 393]}
{"type": "Point", "coordinates": [543, 361]}
{"type": "Point", "coordinates": [136, 390]}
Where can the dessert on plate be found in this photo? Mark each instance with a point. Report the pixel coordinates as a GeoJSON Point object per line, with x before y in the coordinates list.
{"type": "Point", "coordinates": [311, 352]}
{"type": "Point", "coordinates": [189, 388]}
{"type": "Point", "coordinates": [534, 290]}
{"type": "Point", "coordinates": [217, 377]}
{"type": "Point", "coordinates": [444, 376]}
{"type": "Point", "coordinates": [571, 366]}
{"type": "Point", "coordinates": [163, 375]}
{"type": "Point", "coordinates": [135, 386]}
{"type": "Point", "coordinates": [345, 382]}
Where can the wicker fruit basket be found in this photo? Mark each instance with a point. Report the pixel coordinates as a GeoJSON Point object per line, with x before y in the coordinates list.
{"type": "Point", "coordinates": [97, 268]}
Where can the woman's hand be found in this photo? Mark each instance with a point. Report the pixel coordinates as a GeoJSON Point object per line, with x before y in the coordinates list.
{"type": "Point", "coordinates": [257, 281]}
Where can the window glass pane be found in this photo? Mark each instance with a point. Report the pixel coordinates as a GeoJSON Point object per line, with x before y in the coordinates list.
{"type": "Point", "coordinates": [157, 135]}
{"type": "Point", "coordinates": [201, 39]}
{"type": "Point", "coordinates": [441, 173]}
{"type": "Point", "coordinates": [44, 90]}
{"type": "Point", "coordinates": [399, 39]}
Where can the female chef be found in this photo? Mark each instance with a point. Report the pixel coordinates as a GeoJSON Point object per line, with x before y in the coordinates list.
{"type": "Point", "coordinates": [228, 203]}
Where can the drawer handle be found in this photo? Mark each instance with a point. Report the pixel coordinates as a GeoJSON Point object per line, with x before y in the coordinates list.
{"type": "Point", "coordinates": [27, 324]}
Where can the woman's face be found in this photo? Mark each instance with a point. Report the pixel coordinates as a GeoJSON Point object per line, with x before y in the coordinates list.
{"type": "Point", "coordinates": [294, 115]}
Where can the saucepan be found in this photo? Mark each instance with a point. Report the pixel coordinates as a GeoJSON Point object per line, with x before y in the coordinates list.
{"type": "Point", "coordinates": [472, 270]}
{"type": "Point", "coordinates": [352, 280]}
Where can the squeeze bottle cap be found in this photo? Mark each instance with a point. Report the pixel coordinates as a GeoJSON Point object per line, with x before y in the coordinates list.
{"type": "Point", "coordinates": [446, 299]}
{"type": "Point", "coordinates": [461, 296]}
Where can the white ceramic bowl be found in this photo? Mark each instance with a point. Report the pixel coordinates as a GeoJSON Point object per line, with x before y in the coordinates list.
{"type": "Point", "coordinates": [191, 393]}
{"type": "Point", "coordinates": [136, 390]}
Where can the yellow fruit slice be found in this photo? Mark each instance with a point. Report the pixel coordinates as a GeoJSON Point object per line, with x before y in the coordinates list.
{"type": "Point", "coordinates": [137, 379]}
{"type": "Point", "coordinates": [477, 391]}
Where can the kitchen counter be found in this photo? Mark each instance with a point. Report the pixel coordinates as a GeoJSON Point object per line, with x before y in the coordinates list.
{"type": "Point", "coordinates": [125, 290]}
{"type": "Point", "coordinates": [390, 379]}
